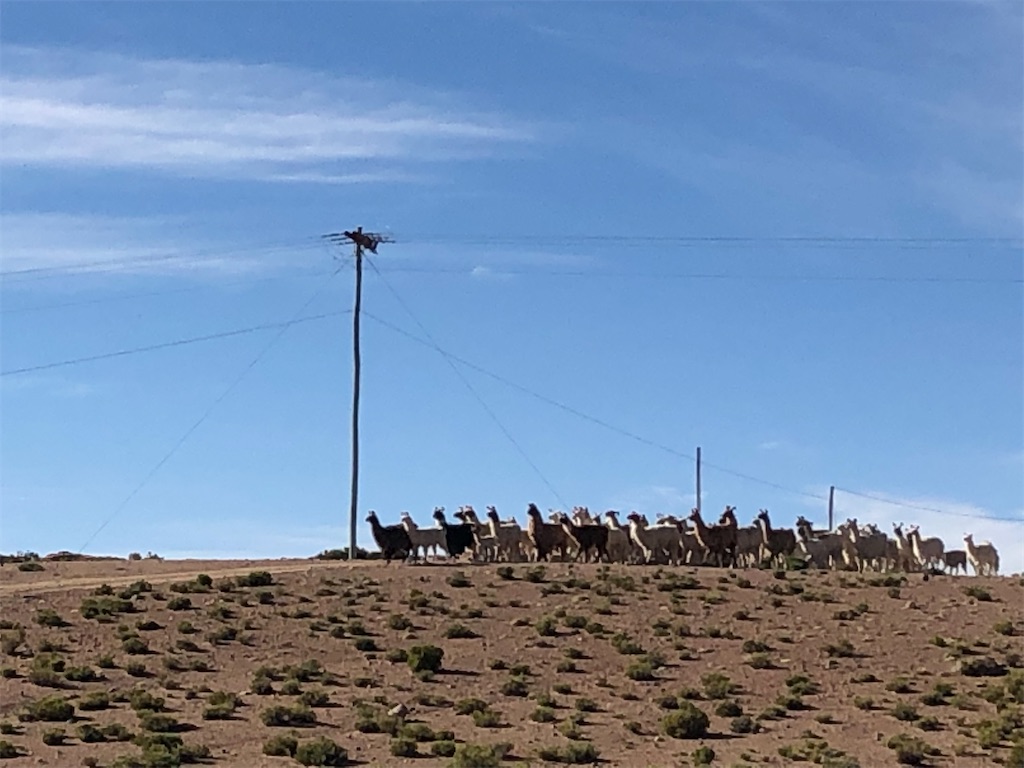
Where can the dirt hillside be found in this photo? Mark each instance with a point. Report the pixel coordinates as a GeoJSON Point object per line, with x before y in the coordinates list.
{"type": "Point", "coordinates": [164, 662]}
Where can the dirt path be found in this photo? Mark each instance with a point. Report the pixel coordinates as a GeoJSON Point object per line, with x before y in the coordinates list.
{"type": "Point", "coordinates": [91, 582]}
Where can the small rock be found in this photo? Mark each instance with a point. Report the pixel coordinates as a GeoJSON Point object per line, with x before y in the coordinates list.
{"type": "Point", "coordinates": [399, 711]}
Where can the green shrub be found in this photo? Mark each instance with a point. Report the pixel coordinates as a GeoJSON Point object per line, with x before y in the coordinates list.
{"type": "Point", "coordinates": [401, 747]}
{"type": "Point", "coordinates": [909, 750]}
{"type": "Point", "coordinates": [477, 756]}
{"type": "Point", "coordinates": [94, 701]}
{"type": "Point", "coordinates": [255, 579]}
{"type": "Point", "coordinates": [573, 753]}
{"type": "Point", "coordinates": [52, 709]}
{"type": "Point", "coordinates": [281, 746]}
{"type": "Point", "coordinates": [54, 737]}
{"type": "Point", "coordinates": [443, 748]}
{"type": "Point", "coordinates": [399, 622]}
{"type": "Point", "coordinates": [321, 751]}
{"type": "Point", "coordinates": [486, 718]}
{"type": "Point", "coordinates": [687, 722]}
{"type": "Point", "coordinates": [425, 658]}
{"type": "Point", "coordinates": [280, 715]}
{"type": "Point", "coordinates": [459, 632]}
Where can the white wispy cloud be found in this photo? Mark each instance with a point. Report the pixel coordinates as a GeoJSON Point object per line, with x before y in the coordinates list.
{"type": "Point", "coordinates": [69, 108]}
{"type": "Point", "coordinates": [37, 243]}
{"type": "Point", "coordinates": [962, 517]}
{"type": "Point", "coordinates": [848, 132]}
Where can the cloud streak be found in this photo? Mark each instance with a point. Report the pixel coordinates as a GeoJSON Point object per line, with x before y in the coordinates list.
{"type": "Point", "coordinates": [75, 109]}
{"type": "Point", "coordinates": [39, 244]}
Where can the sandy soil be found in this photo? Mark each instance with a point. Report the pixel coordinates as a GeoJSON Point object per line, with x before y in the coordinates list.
{"type": "Point", "coordinates": [692, 623]}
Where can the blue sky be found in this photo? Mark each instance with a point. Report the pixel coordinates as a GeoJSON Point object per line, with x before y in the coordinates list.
{"type": "Point", "coordinates": [593, 202]}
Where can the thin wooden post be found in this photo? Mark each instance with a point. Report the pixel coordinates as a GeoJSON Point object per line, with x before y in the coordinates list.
{"type": "Point", "coordinates": [831, 505]}
{"type": "Point", "coordinates": [698, 478]}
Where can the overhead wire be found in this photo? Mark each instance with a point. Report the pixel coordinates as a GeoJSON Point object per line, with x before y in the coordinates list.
{"type": "Point", "coordinates": [104, 266]}
{"type": "Point", "coordinates": [166, 292]}
{"type": "Point", "coordinates": [453, 358]}
{"type": "Point", "coordinates": [209, 410]}
{"type": "Point", "coordinates": [175, 343]}
{"type": "Point", "coordinates": [657, 275]}
{"type": "Point", "coordinates": [515, 443]}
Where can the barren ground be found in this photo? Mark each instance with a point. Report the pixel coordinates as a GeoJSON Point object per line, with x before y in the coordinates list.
{"type": "Point", "coordinates": [827, 667]}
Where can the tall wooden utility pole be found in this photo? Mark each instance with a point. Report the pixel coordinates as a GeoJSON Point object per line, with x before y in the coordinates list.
{"type": "Point", "coordinates": [698, 479]}
{"type": "Point", "coordinates": [369, 241]}
{"type": "Point", "coordinates": [831, 505]}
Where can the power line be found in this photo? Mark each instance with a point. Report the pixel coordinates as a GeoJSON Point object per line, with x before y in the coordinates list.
{"type": "Point", "coordinates": [654, 444]}
{"type": "Point", "coordinates": [188, 432]}
{"type": "Point", "coordinates": [501, 271]}
{"type": "Point", "coordinates": [102, 266]}
{"type": "Point", "coordinates": [465, 381]}
{"type": "Point", "coordinates": [150, 294]}
{"type": "Point", "coordinates": [924, 508]}
{"type": "Point", "coordinates": [175, 343]}
{"type": "Point", "coordinates": [640, 239]}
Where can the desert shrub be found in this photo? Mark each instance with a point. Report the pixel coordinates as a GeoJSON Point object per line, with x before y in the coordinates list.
{"type": "Point", "coordinates": [94, 701]}
{"type": "Point", "coordinates": [744, 724]}
{"type": "Point", "coordinates": [47, 617]}
{"type": "Point", "coordinates": [843, 649]}
{"type": "Point", "coordinates": [281, 746]}
{"type": "Point", "coordinates": [980, 594]}
{"type": "Point", "coordinates": [477, 756]}
{"type": "Point", "coordinates": [30, 566]}
{"type": "Point", "coordinates": [801, 685]}
{"type": "Point", "coordinates": [179, 603]}
{"type": "Point", "coordinates": [425, 658]}
{"type": "Point", "coordinates": [717, 686]}
{"type": "Point", "coordinates": [516, 686]}
{"type": "Point", "coordinates": [402, 747]}
{"type": "Point", "coordinates": [729, 708]}
{"type": "Point", "coordinates": [703, 756]}
{"type": "Point", "coordinates": [982, 666]}
{"type": "Point", "coordinates": [625, 645]}
{"type": "Point", "coordinates": [687, 722]}
{"type": "Point", "coordinates": [280, 715]}
{"type": "Point", "coordinates": [104, 607]}
{"type": "Point", "coordinates": [486, 718]}
{"type": "Point", "coordinates": [399, 622]}
{"type": "Point", "coordinates": [54, 737]}
{"type": "Point", "coordinates": [443, 748]}
{"type": "Point", "coordinates": [9, 751]}
{"type": "Point", "coordinates": [459, 632]}
{"type": "Point", "coordinates": [909, 750]}
{"type": "Point", "coordinates": [90, 734]}
{"type": "Point", "coordinates": [469, 706]}
{"type": "Point", "coordinates": [315, 698]}
{"type": "Point", "coordinates": [140, 700]}
{"type": "Point", "coordinates": [905, 712]}
{"type": "Point", "coordinates": [321, 751]}
{"type": "Point", "coordinates": [158, 722]}
{"type": "Point", "coordinates": [366, 645]}
{"type": "Point", "coordinates": [51, 709]}
{"type": "Point", "coordinates": [84, 674]}
{"type": "Point", "coordinates": [255, 579]}
{"type": "Point", "coordinates": [640, 670]}
{"type": "Point", "coordinates": [573, 753]}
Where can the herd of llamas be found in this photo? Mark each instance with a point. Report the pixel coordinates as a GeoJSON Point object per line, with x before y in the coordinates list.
{"type": "Point", "coordinates": [673, 541]}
